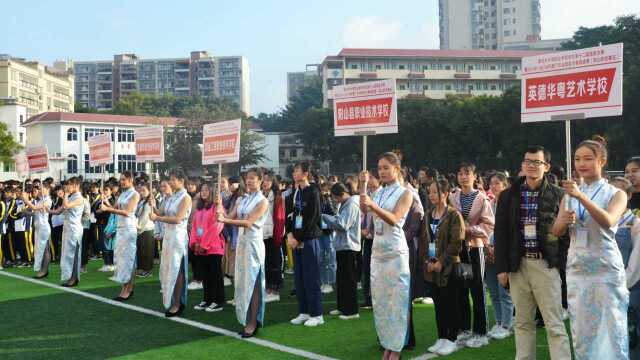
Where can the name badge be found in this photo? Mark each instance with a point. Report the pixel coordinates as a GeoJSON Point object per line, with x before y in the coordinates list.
{"type": "Point", "coordinates": [378, 226]}
{"type": "Point", "coordinates": [530, 231]}
{"type": "Point", "coordinates": [323, 225]}
{"type": "Point", "coordinates": [581, 237]}
{"type": "Point", "coordinates": [298, 222]}
{"type": "Point", "coordinates": [432, 250]}
{"type": "Point", "coordinates": [199, 231]}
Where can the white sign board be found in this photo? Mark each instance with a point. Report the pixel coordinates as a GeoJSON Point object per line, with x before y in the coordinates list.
{"type": "Point", "coordinates": [366, 108]}
{"type": "Point", "coordinates": [100, 150]}
{"type": "Point", "coordinates": [221, 142]}
{"type": "Point", "coordinates": [37, 158]}
{"type": "Point", "coordinates": [149, 144]}
{"type": "Point", "coordinates": [585, 81]}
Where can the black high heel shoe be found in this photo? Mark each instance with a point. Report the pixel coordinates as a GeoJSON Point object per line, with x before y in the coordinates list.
{"type": "Point", "coordinates": [41, 276]}
{"type": "Point", "coordinates": [120, 298]}
{"type": "Point", "coordinates": [170, 314]}
{"type": "Point", "coordinates": [245, 335]}
{"type": "Point", "coordinates": [73, 284]}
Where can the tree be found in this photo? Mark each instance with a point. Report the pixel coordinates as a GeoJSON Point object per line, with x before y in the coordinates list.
{"type": "Point", "coordinates": [8, 145]}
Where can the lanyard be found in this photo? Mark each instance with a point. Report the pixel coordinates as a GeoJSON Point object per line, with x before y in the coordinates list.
{"type": "Point", "coordinates": [582, 210]}
{"type": "Point", "coordinates": [383, 200]}
{"type": "Point", "coordinates": [624, 220]}
{"type": "Point", "coordinates": [298, 199]}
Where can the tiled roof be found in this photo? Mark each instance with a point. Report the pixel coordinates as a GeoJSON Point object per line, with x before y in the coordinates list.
{"type": "Point", "coordinates": [352, 52]}
{"type": "Point", "coordinates": [49, 117]}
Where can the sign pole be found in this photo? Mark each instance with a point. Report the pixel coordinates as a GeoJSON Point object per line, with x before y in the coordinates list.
{"type": "Point", "coordinates": [567, 134]}
{"type": "Point", "coordinates": [219, 180]}
{"type": "Point", "coordinates": [364, 152]}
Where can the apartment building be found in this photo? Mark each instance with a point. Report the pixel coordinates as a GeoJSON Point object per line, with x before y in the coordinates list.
{"type": "Point", "coordinates": [426, 73]}
{"type": "Point", "coordinates": [100, 83]}
{"type": "Point", "coordinates": [36, 86]}
{"type": "Point", "coordinates": [488, 24]}
{"type": "Point", "coordinates": [299, 79]}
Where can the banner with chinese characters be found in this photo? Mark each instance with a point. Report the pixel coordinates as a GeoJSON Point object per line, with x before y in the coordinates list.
{"type": "Point", "coordinates": [585, 81]}
{"type": "Point", "coordinates": [100, 150]}
{"type": "Point", "coordinates": [221, 142]}
{"type": "Point", "coordinates": [37, 158]}
{"type": "Point", "coordinates": [149, 144]}
{"type": "Point", "coordinates": [366, 108]}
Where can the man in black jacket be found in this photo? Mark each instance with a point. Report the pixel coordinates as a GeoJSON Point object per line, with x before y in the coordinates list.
{"type": "Point", "coordinates": [303, 230]}
{"type": "Point", "coordinates": [527, 255]}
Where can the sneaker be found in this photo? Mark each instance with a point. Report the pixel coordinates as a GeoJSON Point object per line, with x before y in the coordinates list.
{"type": "Point", "coordinates": [232, 302]}
{"type": "Point", "coordinates": [326, 289]}
{"type": "Point", "coordinates": [427, 301]}
{"type": "Point", "coordinates": [359, 285]}
{"type": "Point", "coordinates": [447, 347]}
{"type": "Point", "coordinates": [201, 306]}
{"type": "Point", "coordinates": [565, 315]}
{"type": "Point", "coordinates": [112, 278]}
{"type": "Point", "coordinates": [300, 319]}
{"type": "Point", "coordinates": [111, 268]}
{"type": "Point", "coordinates": [144, 274]}
{"type": "Point", "coordinates": [493, 330]}
{"type": "Point", "coordinates": [227, 282]}
{"type": "Point", "coordinates": [477, 341]}
{"type": "Point", "coordinates": [194, 285]}
{"type": "Point", "coordinates": [501, 333]}
{"type": "Point", "coordinates": [463, 337]}
{"type": "Point", "coordinates": [335, 312]}
{"type": "Point", "coordinates": [272, 298]}
{"type": "Point", "coordinates": [289, 271]}
{"type": "Point", "coordinates": [436, 346]}
{"type": "Point", "coordinates": [213, 308]}
{"type": "Point", "coordinates": [366, 306]}
{"type": "Point", "coordinates": [314, 321]}
{"type": "Point", "coordinates": [103, 268]}
{"type": "Point", "coordinates": [349, 317]}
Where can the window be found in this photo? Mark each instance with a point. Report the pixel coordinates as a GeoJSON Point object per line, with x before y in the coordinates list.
{"type": "Point", "coordinates": [513, 21]}
{"type": "Point", "coordinates": [88, 169]}
{"type": "Point", "coordinates": [514, 68]}
{"type": "Point", "coordinates": [402, 87]}
{"type": "Point", "coordinates": [21, 119]}
{"type": "Point", "coordinates": [91, 132]}
{"type": "Point", "coordinates": [293, 153]}
{"type": "Point", "coordinates": [125, 136]}
{"type": "Point", "coordinates": [447, 87]}
{"type": "Point", "coordinates": [470, 67]}
{"type": "Point", "coordinates": [493, 87]}
{"type": "Point", "coordinates": [401, 67]}
{"type": "Point", "coordinates": [72, 134]}
{"type": "Point", "coordinates": [72, 164]}
{"type": "Point", "coordinates": [447, 67]}
{"type": "Point", "coordinates": [354, 66]}
{"type": "Point", "coordinates": [492, 67]}
{"type": "Point", "coordinates": [425, 87]}
{"type": "Point", "coordinates": [507, 33]}
{"type": "Point", "coordinates": [126, 163]}
{"type": "Point", "coordinates": [506, 11]}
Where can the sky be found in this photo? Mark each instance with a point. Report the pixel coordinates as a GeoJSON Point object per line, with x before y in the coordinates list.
{"type": "Point", "coordinates": [276, 36]}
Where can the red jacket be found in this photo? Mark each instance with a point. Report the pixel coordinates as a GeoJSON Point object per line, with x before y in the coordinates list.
{"type": "Point", "coordinates": [278, 220]}
{"type": "Point", "coordinates": [211, 239]}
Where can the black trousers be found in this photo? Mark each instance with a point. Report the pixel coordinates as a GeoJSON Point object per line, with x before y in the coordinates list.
{"type": "Point", "coordinates": [194, 260]}
{"type": "Point", "coordinates": [366, 270]}
{"type": "Point", "coordinates": [272, 265]}
{"type": "Point", "coordinates": [476, 259]}
{"type": "Point", "coordinates": [56, 237]}
{"type": "Point", "coordinates": [145, 244]}
{"type": "Point", "coordinates": [86, 246]}
{"type": "Point", "coordinates": [210, 268]}
{"type": "Point", "coordinates": [347, 281]}
{"type": "Point", "coordinates": [97, 240]}
{"type": "Point", "coordinates": [445, 300]}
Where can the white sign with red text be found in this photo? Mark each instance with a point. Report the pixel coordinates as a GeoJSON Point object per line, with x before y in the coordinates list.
{"type": "Point", "coordinates": [366, 108]}
{"type": "Point", "coordinates": [586, 81]}
{"type": "Point", "coordinates": [38, 158]}
{"type": "Point", "coordinates": [221, 142]}
{"type": "Point", "coordinates": [149, 144]}
{"type": "Point", "coordinates": [100, 150]}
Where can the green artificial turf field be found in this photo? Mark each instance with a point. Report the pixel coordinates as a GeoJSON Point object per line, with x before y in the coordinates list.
{"type": "Point", "coordinates": [40, 322]}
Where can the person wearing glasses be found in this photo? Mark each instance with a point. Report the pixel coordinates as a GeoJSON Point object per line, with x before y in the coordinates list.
{"type": "Point", "coordinates": [527, 255]}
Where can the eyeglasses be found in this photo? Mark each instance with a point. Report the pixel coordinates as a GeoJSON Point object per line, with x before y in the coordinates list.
{"type": "Point", "coordinates": [536, 163]}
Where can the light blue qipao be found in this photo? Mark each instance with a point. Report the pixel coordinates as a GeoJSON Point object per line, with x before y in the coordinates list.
{"type": "Point", "coordinates": [390, 274]}
{"type": "Point", "coordinates": [72, 230]}
{"type": "Point", "coordinates": [174, 251]}
{"type": "Point", "coordinates": [596, 284]}
{"type": "Point", "coordinates": [42, 232]}
{"type": "Point", "coordinates": [250, 257]}
{"type": "Point", "coordinates": [125, 239]}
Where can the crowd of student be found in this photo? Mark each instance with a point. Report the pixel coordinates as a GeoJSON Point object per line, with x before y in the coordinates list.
{"type": "Point", "coordinates": [546, 249]}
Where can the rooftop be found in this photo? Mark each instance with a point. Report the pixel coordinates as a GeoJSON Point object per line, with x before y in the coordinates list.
{"type": "Point", "coordinates": [52, 117]}
{"type": "Point", "coordinates": [434, 53]}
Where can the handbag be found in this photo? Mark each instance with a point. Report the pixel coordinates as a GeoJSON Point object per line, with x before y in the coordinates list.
{"type": "Point", "coordinates": [463, 272]}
